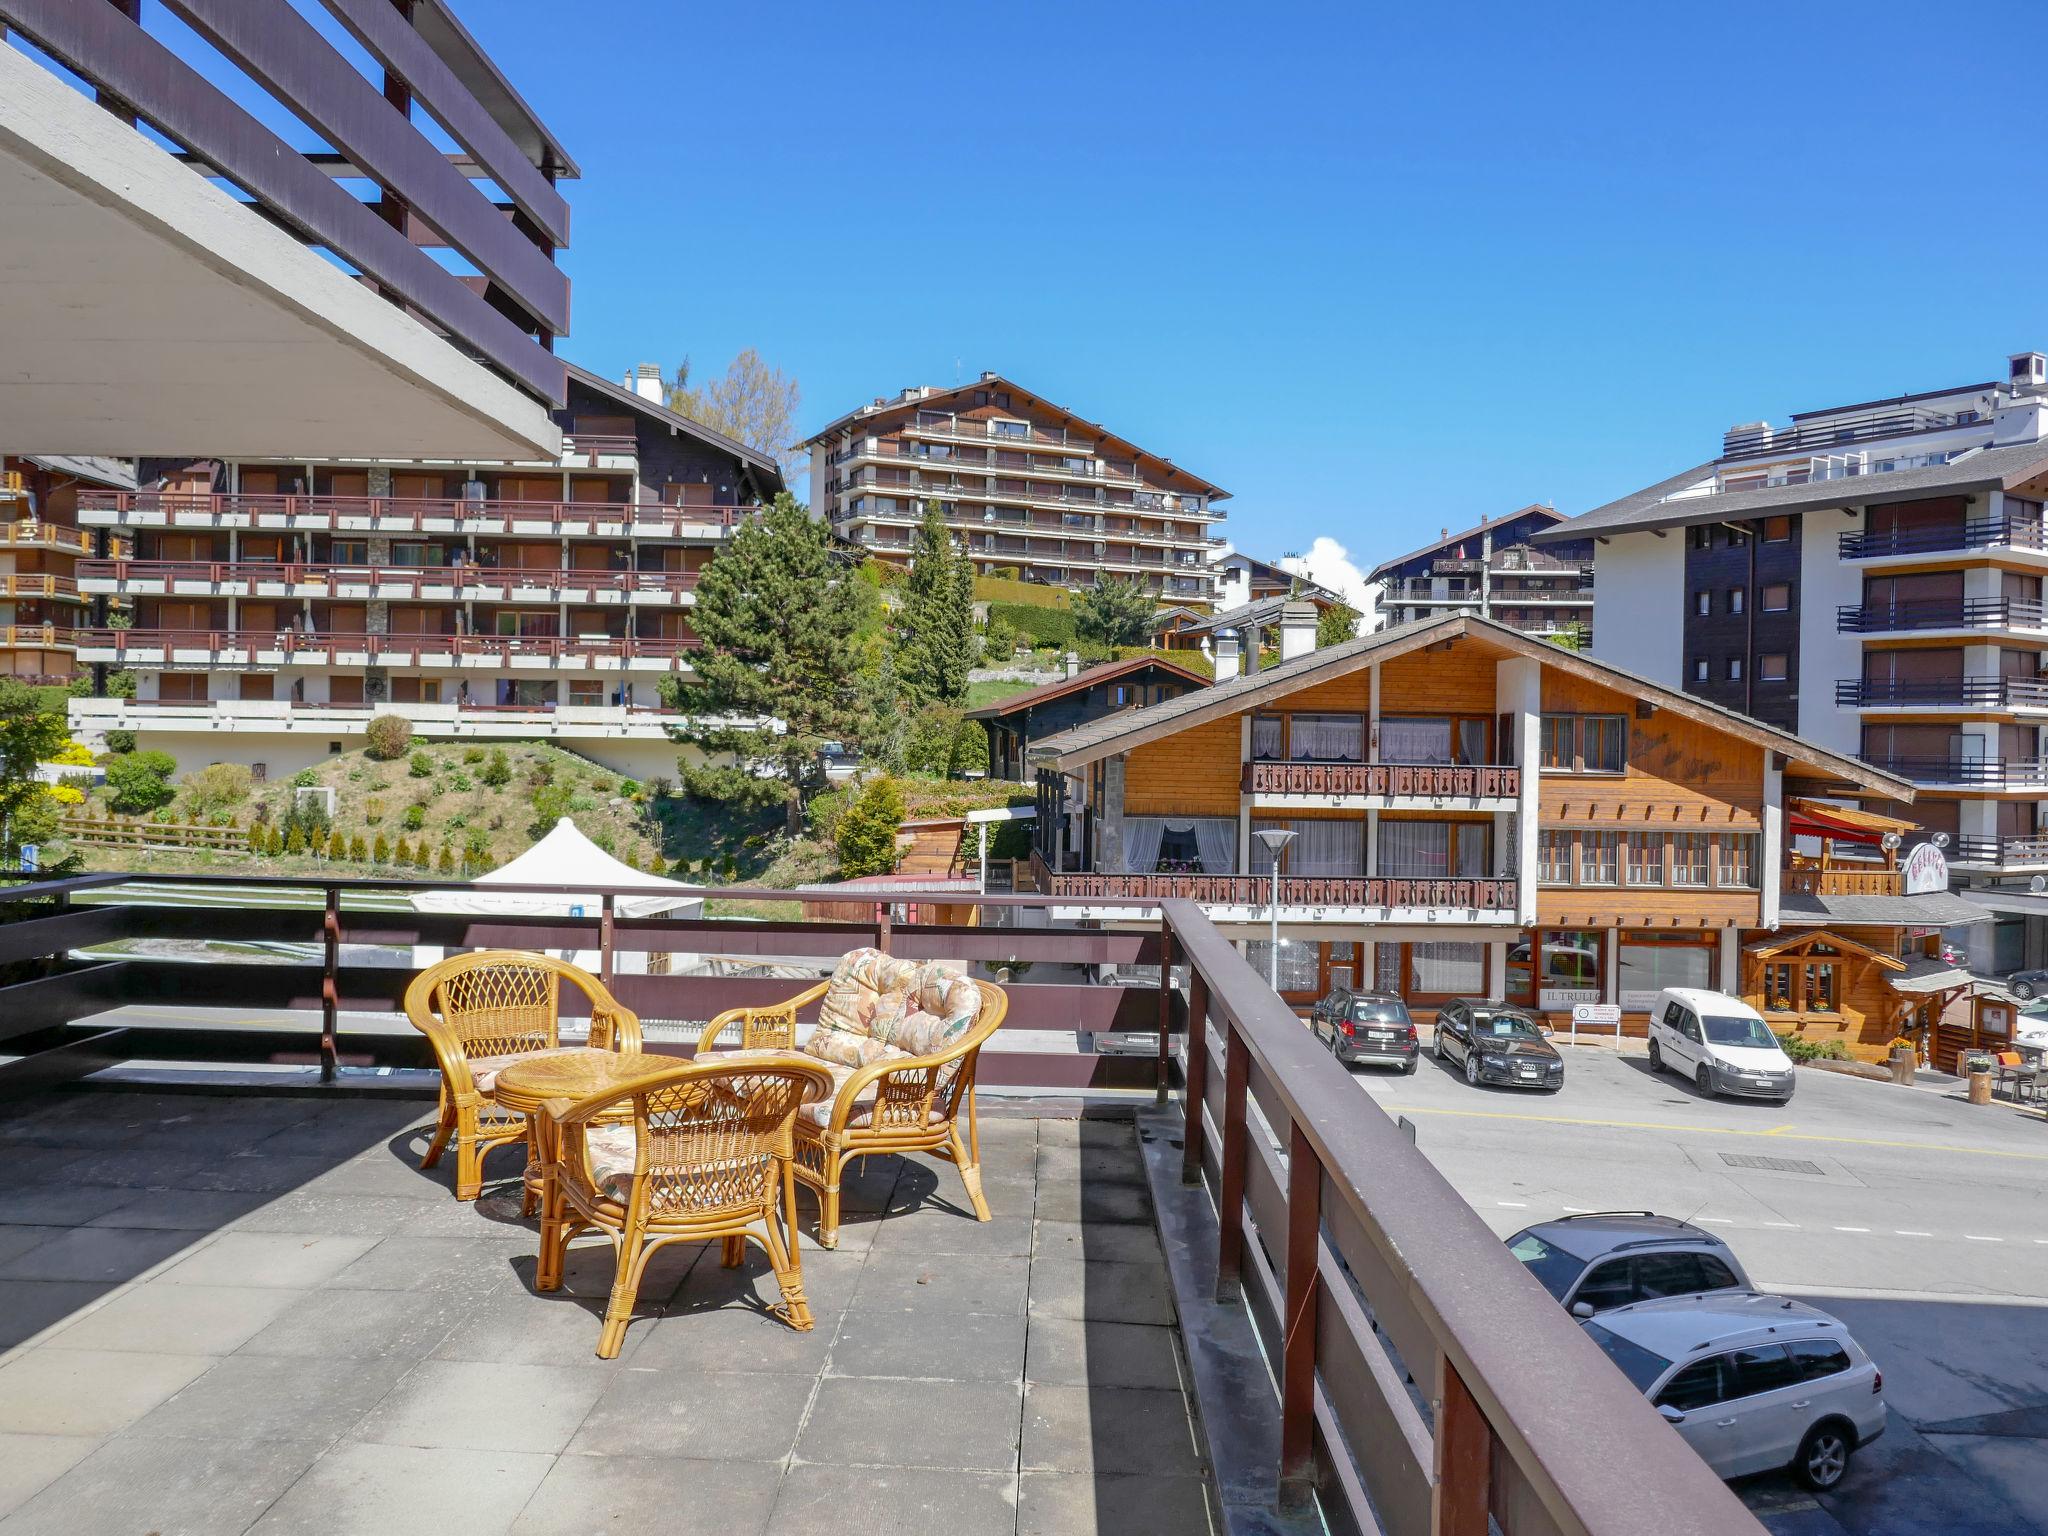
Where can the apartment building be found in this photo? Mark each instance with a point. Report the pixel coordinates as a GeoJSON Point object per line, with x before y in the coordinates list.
{"type": "Point", "coordinates": [1028, 487]}
{"type": "Point", "coordinates": [1478, 812]}
{"type": "Point", "coordinates": [1494, 571]}
{"type": "Point", "coordinates": [41, 542]}
{"type": "Point", "coordinates": [277, 606]}
{"type": "Point", "coordinates": [1870, 576]}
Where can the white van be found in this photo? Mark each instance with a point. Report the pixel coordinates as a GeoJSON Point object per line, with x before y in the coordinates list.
{"type": "Point", "coordinates": [1719, 1042]}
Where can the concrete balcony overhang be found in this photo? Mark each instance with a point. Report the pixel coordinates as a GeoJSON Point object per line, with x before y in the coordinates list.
{"type": "Point", "coordinates": [146, 311]}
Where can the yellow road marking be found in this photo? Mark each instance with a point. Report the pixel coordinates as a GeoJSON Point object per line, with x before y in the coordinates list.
{"type": "Point", "coordinates": [1715, 1130]}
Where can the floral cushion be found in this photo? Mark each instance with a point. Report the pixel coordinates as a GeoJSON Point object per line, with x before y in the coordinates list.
{"type": "Point", "coordinates": [819, 1115]}
{"type": "Point", "coordinates": [866, 998]}
{"type": "Point", "coordinates": [846, 1049]}
{"type": "Point", "coordinates": [484, 1070]}
{"type": "Point", "coordinates": [611, 1151]}
{"type": "Point", "coordinates": [945, 1005]}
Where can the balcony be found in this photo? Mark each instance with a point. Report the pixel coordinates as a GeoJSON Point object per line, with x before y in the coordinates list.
{"type": "Point", "coordinates": [1241, 897]}
{"type": "Point", "coordinates": [1916, 615]}
{"type": "Point", "coordinates": [1967, 772]}
{"type": "Point", "coordinates": [2002, 853]}
{"type": "Point", "coordinates": [1845, 882]}
{"type": "Point", "coordinates": [1431, 782]}
{"type": "Point", "coordinates": [30, 533]}
{"type": "Point", "coordinates": [269, 648]}
{"type": "Point", "coordinates": [48, 637]}
{"type": "Point", "coordinates": [400, 583]}
{"type": "Point", "coordinates": [402, 515]}
{"type": "Point", "coordinates": [439, 722]}
{"type": "Point", "coordinates": [369, 1302]}
{"type": "Point", "coordinates": [1958, 693]}
{"type": "Point", "coordinates": [2022, 533]}
{"type": "Point", "coordinates": [36, 584]}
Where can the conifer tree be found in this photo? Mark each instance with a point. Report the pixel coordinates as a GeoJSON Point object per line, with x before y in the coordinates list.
{"type": "Point", "coordinates": [935, 629]}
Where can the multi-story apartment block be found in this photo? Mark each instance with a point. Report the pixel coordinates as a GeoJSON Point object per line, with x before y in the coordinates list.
{"type": "Point", "coordinates": [41, 542]}
{"type": "Point", "coordinates": [1869, 576]}
{"type": "Point", "coordinates": [278, 606]}
{"type": "Point", "coordinates": [1492, 570]}
{"type": "Point", "coordinates": [1477, 812]}
{"type": "Point", "coordinates": [1026, 485]}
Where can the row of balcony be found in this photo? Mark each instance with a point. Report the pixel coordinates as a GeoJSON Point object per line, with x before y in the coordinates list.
{"type": "Point", "coordinates": [2024, 533]}
{"type": "Point", "coordinates": [1366, 891]}
{"type": "Point", "coordinates": [2000, 852]}
{"type": "Point", "coordinates": [1939, 613]}
{"type": "Point", "coordinates": [1966, 772]}
{"type": "Point", "coordinates": [290, 647]}
{"type": "Point", "coordinates": [398, 515]}
{"type": "Point", "coordinates": [37, 584]}
{"type": "Point", "coordinates": [1421, 781]}
{"type": "Point", "coordinates": [924, 488]}
{"type": "Point", "coordinates": [1980, 692]}
{"type": "Point", "coordinates": [33, 533]}
{"type": "Point", "coordinates": [456, 583]}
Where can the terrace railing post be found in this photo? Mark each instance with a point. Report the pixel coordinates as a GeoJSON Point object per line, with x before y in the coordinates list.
{"type": "Point", "coordinates": [882, 925]}
{"type": "Point", "coordinates": [1165, 1011]}
{"type": "Point", "coordinates": [604, 938]}
{"type": "Point", "coordinates": [1298, 1333]}
{"type": "Point", "coordinates": [1464, 1459]}
{"type": "Point", "coordinates": [1237, 1074]}
{"type": "Point", "coordinates": [330, 983]}
{"type": "Point", "coordinates": [1195, 1079]}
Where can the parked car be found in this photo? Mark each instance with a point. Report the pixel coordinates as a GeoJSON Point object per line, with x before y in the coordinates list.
{"type": "Point", "coordinates": [1366, 1026]}
{"type": "Point", "coordinates": [1498, 1043]}
{"type": "Point", "coordinates": [1720, 1042]}
{"type": "Point", "coordinates": [2027, 985]}
{"type": "Point", "coordinates": [1753, 1382]}
{"type": "Point", "coordinates": [1600, 1260]}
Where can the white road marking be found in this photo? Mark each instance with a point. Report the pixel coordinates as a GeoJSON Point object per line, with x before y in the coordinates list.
{"type": "Point", "coordinates": [1587, 1210]}
{"type": "Point", "coordinates": [1852, 1229]}
{"type": "Point", "coordinates": [1970, 1237]}
{"type": "Point", "coordinates": [1719, 1221]}
{"type": "Point", "coordinates": [1902, 1232]}
{"type": "Point", "coordinates": [1514, 1205]}
{"type": "Point", "coordinates": [1789, 1226]}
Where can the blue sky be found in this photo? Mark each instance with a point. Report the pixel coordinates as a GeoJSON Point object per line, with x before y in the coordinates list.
{"type": "Point", "coordinates": [1374, 270]}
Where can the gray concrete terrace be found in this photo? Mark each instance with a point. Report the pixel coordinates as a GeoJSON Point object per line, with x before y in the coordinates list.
{"type": "Point", "coordinates": [255, 1313]}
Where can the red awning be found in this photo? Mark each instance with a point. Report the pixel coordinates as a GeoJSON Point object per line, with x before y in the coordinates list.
{"type": "Point", "coordinates": [1810, 823]}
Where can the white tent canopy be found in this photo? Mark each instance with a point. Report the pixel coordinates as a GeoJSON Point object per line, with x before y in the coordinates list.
{"type": "Point", "coordinates": [566, 857]}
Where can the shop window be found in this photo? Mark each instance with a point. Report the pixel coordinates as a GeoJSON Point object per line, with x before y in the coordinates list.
{"type": "Point", "coordinates": [1646, 963]}
{"type": "Point", "coordinates": [1299, 971]}
{"type": "Point", "coordinates": [1448, 970]}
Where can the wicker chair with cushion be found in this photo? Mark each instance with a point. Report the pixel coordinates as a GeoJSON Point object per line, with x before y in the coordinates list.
{"type": "Point", "coordinates": [902, 1040]}
{"type": "Point", "coordinates": [706, 1155]}
{"type": "Point", "coordinates": [483, 1011]}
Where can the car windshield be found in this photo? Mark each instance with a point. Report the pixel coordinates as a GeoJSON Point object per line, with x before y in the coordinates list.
{"type": "Point", "coordinates": [1638, 1364]}
{"type": "Point", "coordinates": [1380, 1012]}
{"type": "Point", "coordinates": [1733, 1031]}
{"type": "Point", "coordinates": [1553, 1267]}
{"type": "Point", "coordinates": [1506, 1026]}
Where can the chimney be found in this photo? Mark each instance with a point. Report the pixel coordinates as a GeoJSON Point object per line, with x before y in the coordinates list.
{"type": "Point", "coordinates": [1227, 661]}
{"type": "Point", "coordinates": [1297, 629]}
{"type": "Point", "coordinates": [645, 381]}
{"type": "Point", "coordinates": [1073, 664]}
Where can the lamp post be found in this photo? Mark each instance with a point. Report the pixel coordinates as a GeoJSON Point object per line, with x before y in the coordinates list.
{"type": "Point", "coordinates": [1275, 839]}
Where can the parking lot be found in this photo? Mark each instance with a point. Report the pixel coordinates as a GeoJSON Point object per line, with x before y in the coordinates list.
{"type": "Point", "coordinates": [1919, 1220]}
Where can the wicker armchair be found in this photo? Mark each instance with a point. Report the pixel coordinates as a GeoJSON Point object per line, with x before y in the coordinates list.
{"type": "Point", "coordinates": [482, 1011]}
{"type": "Point", "coordinates": [902, 1043]}
{"type": "Point", "coordinates": [706, 1155]}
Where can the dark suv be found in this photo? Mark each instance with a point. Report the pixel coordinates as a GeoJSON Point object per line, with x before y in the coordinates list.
{"type": "Point", "coordinates": [1366, 1026]}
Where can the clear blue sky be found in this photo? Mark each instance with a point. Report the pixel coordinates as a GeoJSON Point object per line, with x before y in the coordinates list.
{"type": "Point", "coordinates": [1373, 269]}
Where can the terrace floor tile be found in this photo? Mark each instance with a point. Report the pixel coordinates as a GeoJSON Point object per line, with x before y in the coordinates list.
{"type": "Point", "coordinates": [358, 1489]}
{"type": "Point", "coordinates": [904, 1501]}
{"type": "Point", "coordinates": [466, 1405]}
{"type": "Point", "coordinates": [189, 1487]}
{"type": "Point", "coordinates": [177, 1319]}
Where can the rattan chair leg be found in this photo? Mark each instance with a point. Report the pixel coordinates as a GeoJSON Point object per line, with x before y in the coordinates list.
{"type": "Point", "coordinates": [632, 1259]}
{"type": "Point", "coordinates": [828, 1200]}
{"type": "Point", "coordinates": [970, 1175]}
{"type": "Point", "coordinates": [469, 1158]}
{"type": "Point", "coordinates": [789, 1275]}
{"type": "Point", "coordinates": [733, 1253]}
{"type": "Point", "coordinates": [442, 1131]}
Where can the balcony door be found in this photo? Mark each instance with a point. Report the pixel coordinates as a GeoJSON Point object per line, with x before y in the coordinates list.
{"type": "Point", "coordinates": [1910, 675]}
{"type": "Point", "coordinates": [1919, 600]}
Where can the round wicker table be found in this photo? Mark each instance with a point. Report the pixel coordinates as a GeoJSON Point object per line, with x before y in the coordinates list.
{"type": "Point", "coordinates": [526, 1087]}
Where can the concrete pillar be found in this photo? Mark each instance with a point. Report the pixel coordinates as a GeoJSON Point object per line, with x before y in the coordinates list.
{"type": "Point", "coordinates": [1770, 877]}
{"type": "Point", "coordinates": [1610, 982]}
{"type": "Point", "coordinates": [1109, 819]}
{"type": "Point", "coordinates": [1497, 970]}
{"type": "Point", "coordinates": [1731, 962]}
{"type": "Point", "coordinates": [1518, 694]}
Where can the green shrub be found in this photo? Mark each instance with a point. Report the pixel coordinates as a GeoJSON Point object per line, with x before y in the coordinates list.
{"type": "Point", "coordinates": [928, 745]}
{"type": "Point", "coordinates": [497, 772]}
{"type": "Point", "coordinates": [970, 748]}
{"type": "Point", "coordinates": [305, 778]}
{"type": "Point", "coordinates": [629, 787]}
{"type": "Point", "coordinates": [402, 854]}
{"type": "Point", "coordinates": [295, 841]}
{"type": "Point", "coordinates": [551, 803]}
{"type": "Point", "coordinates": [1799, 1048]}
{"type": "Point", "coordinates": [216, 789]}
{"type": "Point", "coordinates": [386, 737]}
{"type": "Point", "coordinates": [824, 811]}
{"type": "Point", "coordinates": [140, 782]}
{"type": "Point", "coordinates": [660, 787]}
{"type": "Point", "coordinates": [421, 766]}
{"type": "Point", "coordinates": [444, 866]}
{"type": "Point", "coordinates": [423, 858]}
{"type": "Point", "coordinates": [380, 851]}
{"type": "Point", "coordinates": [415, 817]}
{"type": "Point", "coordinates": [120, 742]}
{"type": "Point", "coordinates": [460, 782]}
{"type": "Point", "coordinates": [358, 850]}
{"type": "Point", "coordinates": [866, 836]}
{"type": "Point", "coordinates": [1041, 626]}
{"type": "Point", "coordinates": [337, 846]}
{"type": "Point", "coordinates": [473, 755]}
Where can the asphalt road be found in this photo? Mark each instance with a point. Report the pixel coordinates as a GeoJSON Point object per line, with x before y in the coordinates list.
{"type": "Point", "coordinates": [1918, 1219]}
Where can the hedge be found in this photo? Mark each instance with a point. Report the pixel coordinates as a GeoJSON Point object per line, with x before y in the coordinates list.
{"type": "Point", "coordinates": [1041, 626]}
{"type": "Point", "coordinates": [1031, 594]}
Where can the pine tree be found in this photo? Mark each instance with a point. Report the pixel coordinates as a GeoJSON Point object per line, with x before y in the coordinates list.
{"type": "Point", "coordinates": [866, 835]}
{"type": "Point", "coordinates": [402, 854]}
{"type": "Point", "coordinates": [423, 858]}
{"type": "Point", "coordinates": [1113, 612]}
{"type": "Point", "coordinates": [358, 850]}
{"type": "Point", "coordinates": [445, 865]}
{"type": "Point", "coordinates": [1336, 624]}
{"type": "Point", "coordinates": [337, 847]}
{"type": "Point", "coordinates": [380, 851]}
{"type": "Point", "coordinates": [935, 630]}
{"type": "Point", "coordinates": [777, 612]}
{"type": "Point", "coordinates": [295, 840]}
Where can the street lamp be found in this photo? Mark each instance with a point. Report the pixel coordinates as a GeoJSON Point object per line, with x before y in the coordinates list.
{"type": "Point", "coordinates": [1275, 839]}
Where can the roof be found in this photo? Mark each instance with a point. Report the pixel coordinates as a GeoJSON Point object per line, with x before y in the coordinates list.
{"type": "Point", "coordinates": [994, 380]}
{"type": "Point", "coordinates": [1259, 611]}
{"type": "Point", "coordinates": [1272, 571]}
{"type": "Point", "coordinates": [654, 411]}
{"type": "Point", "coordinates": [115, 474]}
{"type": "Point", "coordinates": [1088, 677]}
{"type": "Point", "coordinates": [1930, 909]}
{"type": "Point", "coordinates": [1678, 1326]}
{"type": "Point", "coordinates": [1779, 942]}
{"type": "Point", "coordinates": [1980, 469]}
{"type": "Point", "coordinates": [480, 75]}
{"type": "Point", "coordinates": [1924, 974]}
{"type": "Point", "coordinates": [1119, 732]}
{"type": "Point", "coordinates": [1534, 507]}
{"type": "Point", "coordinates": [1598, 1233]}
{"type": "Point", "coordinates": [1845, 820]}
{"type": "Point", "coordinates": [564, 857]}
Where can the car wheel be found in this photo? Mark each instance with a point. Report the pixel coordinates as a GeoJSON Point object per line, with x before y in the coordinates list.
{"type": "Point", "coordinates": [1472, 1069]}
{"type": "Point", "coordinates": [2023, 990]}
{"type": "Point", "coordinates": [1823, 1458]}
{"type": "Point", "coordinates": [1437, 1046]}
{"type": "Point", "coordinates": [1704, 1081]}
{"type": "Point", "coordinates": [1656, 1057]}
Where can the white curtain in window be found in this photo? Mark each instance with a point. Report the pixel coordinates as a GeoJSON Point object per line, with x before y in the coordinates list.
{"type": "Point", "coordinates": [1216, 836]}
{"type": "Point", "coordinates": [1266, 734]}
{"type": "Point", "coordinates": [1449, 968]}
{"type": "Point", "coordinates": [1142, 837]}
{"type": "Point", "coordinates": [1471, 741]}
{"type": "Point", "coordinates": [1328, 849]}
{"type": "Point", "coordinates": [1471, 850]}
{"type": "Point", "coordinates": [1416, 850]}
{"type": "Point", "coordinates": [1328, 738]}
{"type": "Point", "coordinates": [1415, 741]}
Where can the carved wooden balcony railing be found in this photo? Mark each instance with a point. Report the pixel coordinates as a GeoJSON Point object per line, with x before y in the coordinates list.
{"type": "Point", "coordinates": [1420, 780]}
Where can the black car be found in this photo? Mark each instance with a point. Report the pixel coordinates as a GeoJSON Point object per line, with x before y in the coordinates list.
{"type": "Point", "coordinates": [1366, 1026]}
{"type": "Point", "coordinates": [2027, 985]}
{"type": "Point", "coordinates": [1498, 1043]}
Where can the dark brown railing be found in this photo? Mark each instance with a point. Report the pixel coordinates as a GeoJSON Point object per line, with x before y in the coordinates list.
{"type": "Point", "coordinates": [221, 644]}
{"type": "Point", "coordinates": [410, 579]}
{"type": "Point", "coordinates": [1295, 890]}
{"type": "Point", "coordinates": [400, 514]}
{"type": "Point", "coordinates": [1422, 780]}
{"type": "Point", "coordinates": [2001, 851]}
{"type": "Point", "coordinates": [1415, 1378]}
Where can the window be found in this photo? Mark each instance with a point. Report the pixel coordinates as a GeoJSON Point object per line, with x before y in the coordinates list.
{"type": "Point", "coordinates": [1607, 1285]}
{"type": "Point", "coordinates": [1801, 986]}
{"type": "Point", "coordinates": [1269, 738]}
{"type": "Point", "coordinates": [1763, 1368]}
{"type": "Point", "coordinates": [1599, 853]}
{"type": "Point", "coordinates": [1557, 742]}
{"type": "Point", "coordinates": [1646, 858]}
{"type": "Point", "coordinates": [1012, 428]}
{"type": "Point", "coordinates": [1703, 603]}
{"type": "Point", "coordinates": [1700, 536]}
{"type": "Point", "coordinates": [1326, 738]}
{"type": "Point", "coordinates": [1716, 1276]}
{"type": "Point", "coordinates": [1777, 530]}
{"type": "Point", "coordinates": [1777, 596]}
{"type": "Point", "coordinates": [1772, 666]}
{"type": "Point", "coordinates": [1554, 857]}
{"type": "Point", "coordinates": [1602, 744]}
{"type": "Point", "coordinates": [1697, 1386]}
{"type": "Point", "coordinates": [1666, 1274]}
{"type": "Point", "coordinates": [1689, 858]}
{"type": "Point", "coordinates": [1734, 669]}
{"type": "Point", "coordinates": [1815, 1358]}
{"type": "Point", "coordinates": [1647, 963]}
{"type": "Point", "coordinates": [1737, 867]}
{"type": "Point", "coordinates": [1735, 599]}
{"type": "Point", "coordinates": [1701, 671]}
{"type": "Point", "coordinates": [1448, 970]}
